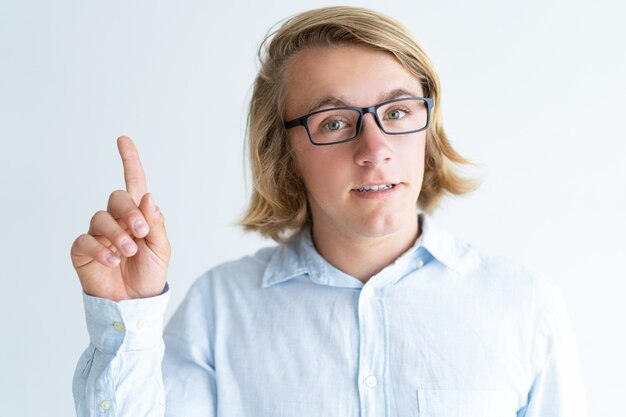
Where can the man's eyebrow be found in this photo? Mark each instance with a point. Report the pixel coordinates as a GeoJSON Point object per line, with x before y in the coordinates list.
{"type": "Point", "coordinates": [334, 101]}
{"type": "Point", "coordinates": [397, 93]}
{"type": "Point", "coordinates": [338, 102]}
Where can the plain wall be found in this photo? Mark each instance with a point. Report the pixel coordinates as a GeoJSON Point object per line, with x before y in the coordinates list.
{"type": "Point", "coordinates": [534, 91]}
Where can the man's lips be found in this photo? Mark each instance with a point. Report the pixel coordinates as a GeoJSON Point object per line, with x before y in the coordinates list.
{"type": "Point", "coordinates": [375, 186]}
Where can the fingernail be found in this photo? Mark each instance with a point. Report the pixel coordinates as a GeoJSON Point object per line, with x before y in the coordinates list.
{"type": "Point", "coordinates": [112, 259]}
{"type": "Point", "coordinates": [129, 246]}
{"type": "Point", "coordinates": [140, 227]}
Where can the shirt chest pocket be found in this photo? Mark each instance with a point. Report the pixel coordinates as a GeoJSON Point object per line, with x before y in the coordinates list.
{"type": "Point", "coordinates": [466, 403]}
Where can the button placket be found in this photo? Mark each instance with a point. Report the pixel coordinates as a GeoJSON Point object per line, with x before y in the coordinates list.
{"type": "Point", "coordinates": [372, 356]}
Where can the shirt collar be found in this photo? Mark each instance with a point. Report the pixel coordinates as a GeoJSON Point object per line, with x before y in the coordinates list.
{"type": "Point", "coordinates": [448, 250]}
{"type": "Point", "coordinates": [299, 257]}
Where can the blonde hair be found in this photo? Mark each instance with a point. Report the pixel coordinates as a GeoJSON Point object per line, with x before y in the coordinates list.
{"type": "Point", "coordinates": [278, 206]}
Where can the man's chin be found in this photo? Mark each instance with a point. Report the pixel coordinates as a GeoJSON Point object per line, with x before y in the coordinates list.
{"type": "Point", "coordinates": [385, 225]}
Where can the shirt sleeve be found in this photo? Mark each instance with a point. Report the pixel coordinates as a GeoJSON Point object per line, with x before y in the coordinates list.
{"type": "Point", "coordinates": [557, 389]}
{"type": "Point", "coordinates": [119, 374]}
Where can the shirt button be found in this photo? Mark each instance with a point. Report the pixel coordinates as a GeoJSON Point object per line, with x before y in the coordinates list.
{"type": "Point", "coordinates": [143, 324]}
{"type": "Point", "coordinates": [368, 292]}
{"type": "Point", "coordinates": [371, 381]}
{"type": "Point", "coordinates": [419, 263]}
{"type": "Point", "coordinates": [105, 405]}
{"type": "Point", "coordinates": [119, 326]}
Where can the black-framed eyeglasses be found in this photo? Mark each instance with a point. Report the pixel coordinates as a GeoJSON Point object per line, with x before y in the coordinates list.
{"type": "Point", "coordinates": [343, 124]}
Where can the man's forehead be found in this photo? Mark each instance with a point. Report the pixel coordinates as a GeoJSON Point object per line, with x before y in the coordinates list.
{"type": "Point", "coordinates": [345, 75]}
{"type": "Point", "coordinates": [346, 101]}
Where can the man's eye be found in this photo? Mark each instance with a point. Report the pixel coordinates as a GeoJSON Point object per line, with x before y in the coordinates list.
{"type": "Point", "coordinates": [334, 125]}
{"type": "Point", "coordinates": [395, 114]}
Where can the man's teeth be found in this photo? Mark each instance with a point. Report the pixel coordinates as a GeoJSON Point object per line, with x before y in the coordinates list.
{"type": "Point", "coordinates": [375, 187]}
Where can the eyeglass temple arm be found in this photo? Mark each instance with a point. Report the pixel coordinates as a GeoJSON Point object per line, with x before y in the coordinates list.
{"type": "Point", "coordinates": [295, 122]}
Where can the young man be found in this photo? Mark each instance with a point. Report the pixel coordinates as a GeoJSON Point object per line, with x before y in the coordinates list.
{"type": "Point", "coordinates": [365, 308]}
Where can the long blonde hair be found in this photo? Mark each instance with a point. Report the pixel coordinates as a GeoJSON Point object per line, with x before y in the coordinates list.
{"type": "Point", "coordinates": [278, 206]}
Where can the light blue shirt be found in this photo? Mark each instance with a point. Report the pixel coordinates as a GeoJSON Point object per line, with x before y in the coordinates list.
{"type": "Point", "coordinates": [444, 331]}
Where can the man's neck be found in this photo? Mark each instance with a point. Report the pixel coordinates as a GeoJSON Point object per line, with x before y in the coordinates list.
{"type": "Point", "coordinates": [361, 256]}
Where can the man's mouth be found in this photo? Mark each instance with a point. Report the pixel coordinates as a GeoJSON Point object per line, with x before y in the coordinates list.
{"type": "Point", "coordinates": [375, 188]}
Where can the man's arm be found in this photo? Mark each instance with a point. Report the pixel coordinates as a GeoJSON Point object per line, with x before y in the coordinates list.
{"type": "Point", "coordinates": [557, 390]}
{"type": "Point", "coordinates": [119, 374]}
{"type": "Point", "coordinates": [122, 263]}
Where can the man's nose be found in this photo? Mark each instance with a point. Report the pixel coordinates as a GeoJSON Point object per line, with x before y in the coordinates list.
{"type": "Point", "coordinates": [372, 143]}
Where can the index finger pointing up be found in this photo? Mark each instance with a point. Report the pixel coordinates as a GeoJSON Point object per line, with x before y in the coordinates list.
{"type": "Point", "coordinates": [134, 176]}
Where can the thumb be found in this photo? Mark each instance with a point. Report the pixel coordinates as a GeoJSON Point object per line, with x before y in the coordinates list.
{"type": "Point", "coordinates": [156, 239]}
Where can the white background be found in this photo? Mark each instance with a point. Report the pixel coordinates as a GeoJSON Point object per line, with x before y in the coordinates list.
{"type": "Point", "coordinates": [533, 90]}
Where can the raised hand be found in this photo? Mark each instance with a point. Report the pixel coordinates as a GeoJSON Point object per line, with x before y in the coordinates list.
{"type": "Point", "coordinates": [126, 252]}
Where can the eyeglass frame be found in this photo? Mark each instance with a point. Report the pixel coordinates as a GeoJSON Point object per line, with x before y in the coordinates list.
{"type": "Point", "coordinates": [302, 120]}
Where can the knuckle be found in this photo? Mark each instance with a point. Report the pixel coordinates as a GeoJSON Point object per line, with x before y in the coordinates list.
{"type": "Point", "coordinates": [81, 240]}
{"type": "Point", "coordinates": [116, 194]}
{"type": "Point", "coordinates": [98, 216]}
{"type": "Point", "coordinates": [134, 179]}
